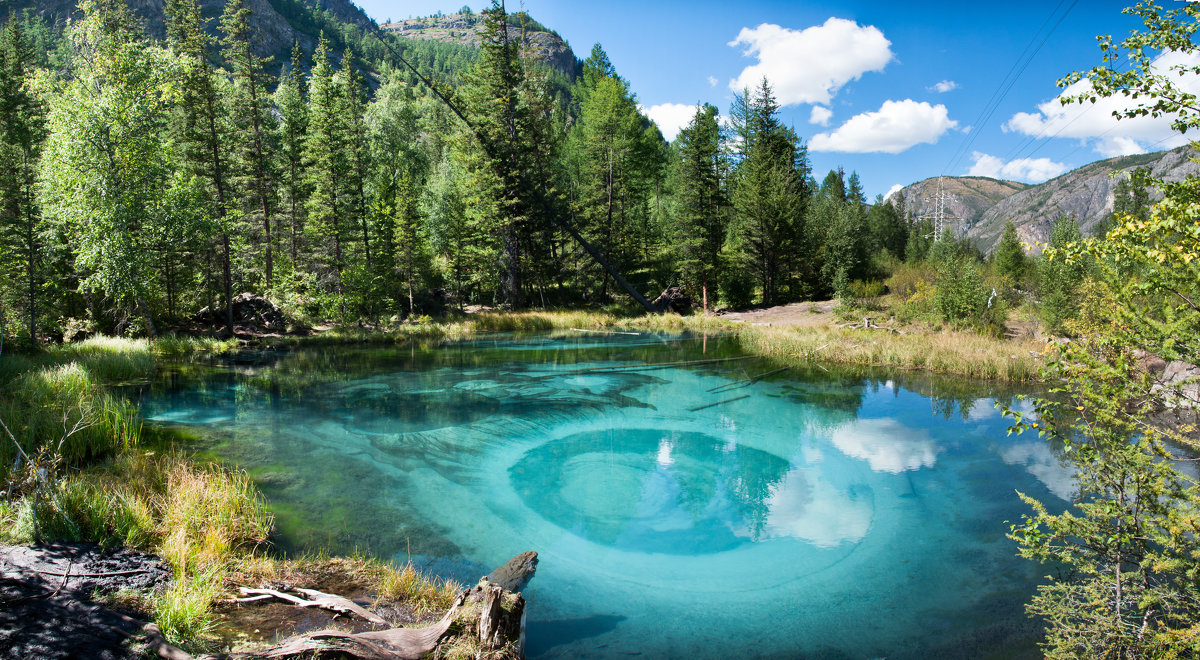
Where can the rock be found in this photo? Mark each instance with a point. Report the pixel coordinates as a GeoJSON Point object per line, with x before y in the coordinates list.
{"type": "Point", "coordinates": [252, 314]}
{"type": "Point", "coordinates": [673, 299]}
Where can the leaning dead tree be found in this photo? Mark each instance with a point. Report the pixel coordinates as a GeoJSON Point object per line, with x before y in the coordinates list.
{"type": "Point", "coordinates": [541, 198]}
{"type": "Point", "coordinates": [493, 612]}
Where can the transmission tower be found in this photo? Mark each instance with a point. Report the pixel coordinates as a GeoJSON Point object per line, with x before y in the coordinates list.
{"type": "Point", "coordinates": [941, 219]}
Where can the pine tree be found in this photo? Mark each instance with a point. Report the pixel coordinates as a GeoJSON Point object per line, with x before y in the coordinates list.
{"type": "Point", "coordinates": [351, 112]}
{"type": "Point", "coordinates": [293, 126]}
{"type": "Point", "coordinates": [770, 197]}
{"type": "Point", "coordinates": [702, 213]}
{"type": "Point", "coordinates": [1009, 257]}
{"type": "Point", "coordinates": [252, 119]}
{"type": "Point", "coordinates": [202, 130]}
{"type": "Point", "coordinates": [326, 162]}
{"type": "Point", "coordinates": [22, 132]}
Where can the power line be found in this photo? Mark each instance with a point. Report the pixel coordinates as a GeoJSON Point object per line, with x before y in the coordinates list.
{"type": "Point", "coordinates": [1010, 79]}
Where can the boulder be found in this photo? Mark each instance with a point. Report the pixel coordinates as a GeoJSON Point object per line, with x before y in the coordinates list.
{"type": "Point", "coordinates": [673, 299]}
{"type": "Point", "coordinates": [252, 313]}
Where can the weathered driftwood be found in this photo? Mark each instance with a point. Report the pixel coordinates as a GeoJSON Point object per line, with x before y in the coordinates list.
{"type": "Point", "coordinates": [498, 627]}
{"type": "Point", "coordinates": [391, 644]}
{"type": "Point", "coordinates": [516, 573]}
{"type": "Point", "coordinates": [868, 324]}
{"type": "Point", "coordinates": [318, 599]}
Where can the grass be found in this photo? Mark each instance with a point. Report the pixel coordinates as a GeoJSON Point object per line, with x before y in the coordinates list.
{"type": "Point", "coordinates": [959, 352]}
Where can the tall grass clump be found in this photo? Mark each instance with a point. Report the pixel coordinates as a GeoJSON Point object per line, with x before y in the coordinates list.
{"type": "Point", "coordinates": [61, 416]}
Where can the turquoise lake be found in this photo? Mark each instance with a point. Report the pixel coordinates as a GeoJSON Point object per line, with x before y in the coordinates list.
{"type": "Point", "coordinates": [810, 513]}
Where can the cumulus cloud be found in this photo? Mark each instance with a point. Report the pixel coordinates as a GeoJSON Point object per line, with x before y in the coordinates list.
{"type": "Point", "coordinates": [1028, 170]}
{"type": "Point", "coordinates": [810, 65]}
{"type": "Point", "coordinates": [820, 115]}
{"type": "Point", "coordinates": [886, 445]}
{"type": "Point", "coordinates": [1095, 123]}
{"type": "Point", "coordinates": [892, 191]}
{"type": "Point", "coordinates": [895, 127]}
{"type": "Point", "coordinates": [943, 87]}
{"type": "Point", "coordinates": [712, 82]}
{"type": "Point", "coordinates": [670, 117]}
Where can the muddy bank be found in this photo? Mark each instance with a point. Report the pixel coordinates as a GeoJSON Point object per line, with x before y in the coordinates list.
{"type": "Point", "coordinates": [48, 600]}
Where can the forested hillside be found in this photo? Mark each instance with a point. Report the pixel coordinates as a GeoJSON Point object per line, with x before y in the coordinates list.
{"type": "Point", "coordinates": [147, 178]}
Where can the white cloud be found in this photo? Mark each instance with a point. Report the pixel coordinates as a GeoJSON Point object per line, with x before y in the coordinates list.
{"type": "Point", "coordinates": [1095, 123]}
{"type": "Point", "coordinates": [886, 445]}
{"type": "Point", "coordinates": [712, 82]}
{"type": "Point", "coordinates": [895, 127]}
{"type": "Point", "coordinates": [820, 115]}
{"type": "Point", "coordinates": [1028, 170]}
{"type": "Point", "coordinates": [670, 117]}
{"type": "Point", "coordinates": [892, 191]}
{"type": "Point", "coordinates": [810, 65]}
{"type": "Point", "coordinates": [943, 87]}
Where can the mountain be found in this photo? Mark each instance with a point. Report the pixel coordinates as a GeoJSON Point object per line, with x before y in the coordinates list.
{"type": "Point", "coordinates": [279, 23]}
{"type": "Point", "coordinates": [1086, 194]}
{"type": "Point", "coordinates": [968, 197]}
{"type": "Point", "coordinates": [466, 29]}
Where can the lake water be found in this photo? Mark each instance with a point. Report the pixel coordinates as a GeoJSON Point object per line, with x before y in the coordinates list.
{"type": "Point", "coordinates": [811, 513]}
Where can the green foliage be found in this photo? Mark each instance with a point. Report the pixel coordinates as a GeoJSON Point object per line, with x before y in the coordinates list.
{"type": "Point", "coordinates": [960, 297]}
{"type": "Point", "coordinates": [701, 215]}
{"type": "Point", "coordinates": [1059, 279]}
{"type": "Point", "coordinates": [1009, 258]}
{"type": "Point", "coordinates": [1128, 550]}
{"type": "Point", "coordinates": [767, 236]}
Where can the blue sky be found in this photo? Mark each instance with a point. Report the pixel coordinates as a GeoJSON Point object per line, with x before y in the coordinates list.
{"type": "Point", "coordinates": [897, 91]}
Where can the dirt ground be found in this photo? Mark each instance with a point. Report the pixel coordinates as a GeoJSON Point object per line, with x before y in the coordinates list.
{"type": "Point", "coordinates": [803, 314]}
{"type": "Point", "coordinates": [46, 600]}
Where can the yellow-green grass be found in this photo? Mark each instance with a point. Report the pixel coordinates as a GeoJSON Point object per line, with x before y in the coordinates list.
{"type": "Point", "coordinates": [199, 518]}
{"type": "Point", "coordinates": [945, 351]}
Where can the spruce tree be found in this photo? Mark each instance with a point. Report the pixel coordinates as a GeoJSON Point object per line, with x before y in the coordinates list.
{"type": "Point", "coordinates": [252, 120]}
{"type": "Point", "coordinates": [22, 132]}
{"type": "Point", "coordinates": [293, 126]}
{"type": "Point", "coordinates": [702, 213]}
{"type": "Point", "coordinates": [326, 163]}
{"type": "Point", "coordinates": [770, 199]}
{"type": "Point", "coordinates": [202, 129]}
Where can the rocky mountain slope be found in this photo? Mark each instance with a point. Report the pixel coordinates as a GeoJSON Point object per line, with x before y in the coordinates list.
{"type": "Point", "coordinates": [1086, 194]}
{"type": "Point", "coordinates": [466, 29]}
{"type": "Point", "coordinates": [968, 197]}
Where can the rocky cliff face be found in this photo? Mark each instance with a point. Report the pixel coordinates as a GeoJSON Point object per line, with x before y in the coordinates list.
{"type": "Point", "coordinates": [466, 29]}
{"type": "Point", "coordinates": [1086, 194]}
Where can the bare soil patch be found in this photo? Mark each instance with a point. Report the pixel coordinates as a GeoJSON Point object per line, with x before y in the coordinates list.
{"type": "Point", "coordinates": [817, 313]}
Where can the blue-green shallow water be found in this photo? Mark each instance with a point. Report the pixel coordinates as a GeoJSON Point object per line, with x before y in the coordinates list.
{"type": "Point", "coordinates": [823, 515]}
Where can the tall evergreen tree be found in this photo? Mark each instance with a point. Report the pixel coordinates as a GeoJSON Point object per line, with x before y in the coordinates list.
{"type": "Point", "coordinates": [22, 132]}
{"type": "Point", "coordinates": [293, 126]}
{"type": "Point", "coordinates": [252, 120]}
{"type": "Point", "coordinates": [203, 131]}
{"type": "Point", "coordinates": [702, 213]}
{"type": "Point", "coordinates": [326, 162]}
{"type": "Point", "coordinates": [351, 110]}
{"type": "Point", "coordinates": [770, 198]}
